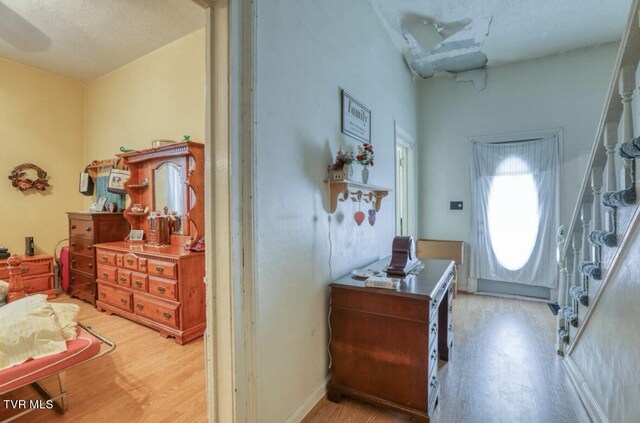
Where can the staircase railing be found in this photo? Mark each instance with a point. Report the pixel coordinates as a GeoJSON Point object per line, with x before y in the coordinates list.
{"type": "Point", "coordinates": [595, 230]}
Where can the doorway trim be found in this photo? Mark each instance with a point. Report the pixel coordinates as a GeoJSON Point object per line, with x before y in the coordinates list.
{"type": "Point", "coordinates": [402, 138]}
{"type": "Point", "coordinates": [230, 345]}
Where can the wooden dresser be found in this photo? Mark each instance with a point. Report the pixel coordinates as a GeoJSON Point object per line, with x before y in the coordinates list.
{"type": "Point", "coordinates": [385, 344]}
{"type": "Point", "coordinates": [157, 281]}
{"type": "Point", "coordinates": [86, 230]}
{"type": "Point", "coordinates": [37, 274]}
{"type": "Point", "coordinates": [161, 287]}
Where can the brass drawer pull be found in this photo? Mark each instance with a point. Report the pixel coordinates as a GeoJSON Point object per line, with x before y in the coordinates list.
{"type": "Point", "coordinates": [88, 229]}
{"type": "Point", "coordinates": [139, 306]}
{"type": "Point", "coordinates": [138, 284]}
{"type": "Point", "coordinates": [73, 244]}
{"type": "Point", "coordinates": [105, 274]}
{"type": "Point", "coordinates": [87, 283]}
{"type": "Point", "coordinates": [129, 261]}
{"type": "Point", "coordinates": [90, 265]}
{"type": "Point", "coordinates": [123, 301]}
{"type": "Point", "coordinates": [123, 278]}
{"type": "Point", "coordinates": [159, 269]}
{"type": "Point", "coordinates": [105, 259]}
{"type": "Point", "coordinates": [161, 289]}
{"type": "Point", "coordinates": [102, 294]}
{"type": "Point", "coordinates": [166, 315]}
{"type": "Point", "coordinates": [73, 226]}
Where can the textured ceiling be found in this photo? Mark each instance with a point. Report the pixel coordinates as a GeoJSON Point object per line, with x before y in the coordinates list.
{"type": "Point", "coordinates": [84, 39]}
{"type": "Point", "coordinates": [520, 29]}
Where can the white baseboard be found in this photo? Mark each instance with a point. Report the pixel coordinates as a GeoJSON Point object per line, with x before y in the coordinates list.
{"type": "Point", "coordinates": [596, 414]}
{"type": "Point", "coordinates": [308, 404]}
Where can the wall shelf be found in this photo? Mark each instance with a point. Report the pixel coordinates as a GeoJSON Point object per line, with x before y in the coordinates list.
{"type": "Point", "coordinates": [356, 191]}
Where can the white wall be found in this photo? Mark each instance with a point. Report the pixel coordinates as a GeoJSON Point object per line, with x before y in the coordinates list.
{"type": "Point", "coordinates": [307, 52]}
{"type": "Point", "coordinates": [565, 91]}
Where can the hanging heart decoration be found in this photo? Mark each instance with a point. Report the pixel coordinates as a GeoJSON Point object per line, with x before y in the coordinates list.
{"type": "Point", "coordinates": [372, 217]}
{"type": "Point", "coordinates": [359, 217]}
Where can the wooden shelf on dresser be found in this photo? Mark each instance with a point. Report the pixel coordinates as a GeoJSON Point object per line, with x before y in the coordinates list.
{"type": "Point", "coordinates": [344, 190]}
{"type": "Point", "coordinates": [385, 343]}
{"type": "Point", "coordinates": [86, 230]}
{"type": "Point", "coordinates": [160, 287]}
{"type": "Point", "coordinates": [37, 274]}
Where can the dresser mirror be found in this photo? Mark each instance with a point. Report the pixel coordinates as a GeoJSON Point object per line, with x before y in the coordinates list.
{"type": "Point", "coordinates": [169, 193]}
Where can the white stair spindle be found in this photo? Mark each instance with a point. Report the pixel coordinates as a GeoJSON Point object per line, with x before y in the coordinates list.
{"type": "Point", "coordinates": [576, 278]}
{"type": "Point", "coordinates": [626, 85]}
{"type": "Point", "coordinates": [610, 141]}
{"type": "Point", "coordinates": [596, 185]}
{"type": "Point", "coordinates": [586, 221]}
{"type": "Point", "coordinates": [562, 286]}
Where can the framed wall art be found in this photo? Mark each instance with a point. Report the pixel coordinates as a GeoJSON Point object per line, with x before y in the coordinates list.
{"type": "Point", "coordinates": [356, 119]}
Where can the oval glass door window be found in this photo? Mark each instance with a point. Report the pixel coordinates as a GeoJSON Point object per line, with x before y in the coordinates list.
{"type": "Point", "coordinates": [512, 212]}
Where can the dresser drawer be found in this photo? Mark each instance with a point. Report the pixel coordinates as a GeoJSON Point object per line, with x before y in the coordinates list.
{"type": "Point", "coordinates": [114, 296]}
{"type": "Point", "coordinates": [163, 288]}
{"type": "Point", "coordinates": [433, 331]}
{"type": "Point", "coordinates": [83, 228]}
{"type": "Point", "coordinates": [82, 263]}
{"type": "Point", "coordinates": [106, 257]}
{"type": "Point", "coordinates": [38, 283]}
{"type": "Point", "coordinates": [130, 261]}
{"type": "Point", "coordinates": [82, 286]}
{"type": "Point", "coordinates": [139, 281]}
{"type": "Point", "coordinates": [124, 277]}
{"type": "Point", "coordinates": [37, 267]}
{"type": "Point", "coordinates": [79, 245]}
{"type": "Point", "coordinates": [162, 268]}
{"type": "Point", "coordinates": [155, 310]}
{"type": "Point", "coordinates": [106, 274]}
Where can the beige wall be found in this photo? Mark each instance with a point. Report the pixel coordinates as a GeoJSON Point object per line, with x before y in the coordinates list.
{"type": "Point", "coordinates": [61, 125]}
{"type": "Point", "coordinates": [40, 123]}
{"type": "Point", "coordinates": [159, 96]}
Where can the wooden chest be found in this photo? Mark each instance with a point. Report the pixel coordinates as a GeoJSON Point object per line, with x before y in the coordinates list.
{"type": "Point", "coordinates": [37, 274]}
{"type": "Point", "coordinates": [86, 230]}
{"type": "Point", "coordinates": [160, 287]}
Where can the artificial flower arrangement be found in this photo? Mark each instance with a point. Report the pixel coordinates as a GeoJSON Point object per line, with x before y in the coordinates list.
{"type": "Point", "coordinates": [342, 159]}
{"type": "Point", "coordinates": [340, 169]}
{"type": "Point", "coordinates": [365, 154]}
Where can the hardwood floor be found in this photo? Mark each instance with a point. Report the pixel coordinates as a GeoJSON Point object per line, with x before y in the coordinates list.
{"type": "Point", "coordinates": [503, 368]}
{"type": "Point", "coordinates": [146, 379]}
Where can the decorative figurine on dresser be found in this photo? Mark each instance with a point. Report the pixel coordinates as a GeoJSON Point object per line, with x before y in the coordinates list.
{"type": "Point", "coordinates": [153, 277]}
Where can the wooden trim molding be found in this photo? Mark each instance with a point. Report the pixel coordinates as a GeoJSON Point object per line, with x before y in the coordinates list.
{"type": "Point", "coordinates": [596, 414]}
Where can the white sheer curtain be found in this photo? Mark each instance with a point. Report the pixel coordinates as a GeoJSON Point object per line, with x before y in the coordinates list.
{"type": "Point", "coordinates": [515, 211]}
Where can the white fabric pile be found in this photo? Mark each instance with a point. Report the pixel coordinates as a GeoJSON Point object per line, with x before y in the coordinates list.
{"type": "Point", "coordinates": [34, 328]}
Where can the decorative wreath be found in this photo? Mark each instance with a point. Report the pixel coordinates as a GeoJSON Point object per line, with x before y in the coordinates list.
{"type": "Point", "coordinates": [19, 178]}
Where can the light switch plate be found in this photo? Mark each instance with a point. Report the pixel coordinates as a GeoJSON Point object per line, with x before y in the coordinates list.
{"type": "Point", "coordinates": [455, 205]}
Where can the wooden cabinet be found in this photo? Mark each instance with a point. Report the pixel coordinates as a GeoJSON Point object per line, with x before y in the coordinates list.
{"type": "Point", "coordinates": [159, 282]}
{"type": "Point", "coordinates": [86, 230]}
{"type": "Point", "coordinates": [385, 344]}
{"type": "Point", "coordinates": [160, 287]}
{"type": "Point", "coordinates": [37, 274]}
